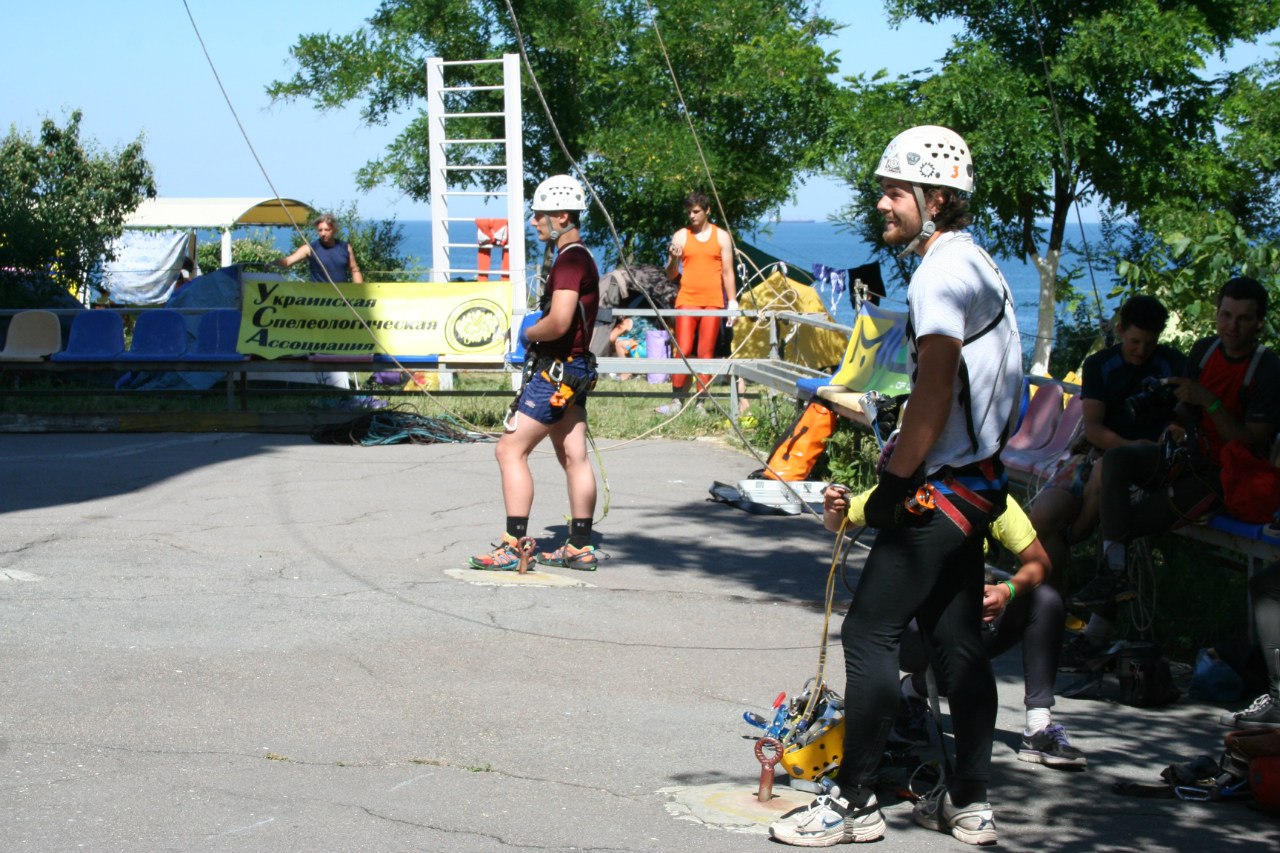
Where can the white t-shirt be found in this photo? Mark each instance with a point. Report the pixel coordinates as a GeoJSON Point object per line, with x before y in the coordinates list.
{"type": "Point", "coordinates": [957, 291]}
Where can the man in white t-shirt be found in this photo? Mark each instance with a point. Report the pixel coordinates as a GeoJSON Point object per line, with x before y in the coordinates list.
{"type": "Point", "coordinates": [937, 493]}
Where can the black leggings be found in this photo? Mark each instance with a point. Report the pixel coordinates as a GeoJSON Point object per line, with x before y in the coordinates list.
{"type": "Point", "coordinates": [1165, 507]}
{"type": "Point", "coordinates": [933, 573]}
{"type": "Point", "coordinates": [1264, 587]}
{"type": "Point", "coordinates": [1036, 619]}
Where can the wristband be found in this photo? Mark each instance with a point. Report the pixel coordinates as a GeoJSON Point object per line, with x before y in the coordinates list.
{"type": "Point", "coordinates": [1012, 591]}
{"type": "Point", "coordinates": [1214, 406]}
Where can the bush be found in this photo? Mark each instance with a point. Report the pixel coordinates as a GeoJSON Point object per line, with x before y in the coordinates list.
{"type": "Point", "coordinates": [255, 250]}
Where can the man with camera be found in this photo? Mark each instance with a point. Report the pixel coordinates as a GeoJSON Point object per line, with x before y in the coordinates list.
{"type": "Point", "coordinates": [1231, 392]}
{"type": "Point", "coordinates": [1125, 402]}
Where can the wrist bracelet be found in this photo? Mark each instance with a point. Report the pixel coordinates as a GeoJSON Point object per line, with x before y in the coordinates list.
{"type": "Point", "coordinates": [1214, 406]}
{"type": "Point", "coordinates": [1012, 591]}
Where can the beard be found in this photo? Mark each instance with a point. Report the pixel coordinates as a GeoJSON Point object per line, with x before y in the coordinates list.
{"type": "Point", "coordinates": [895, 234]}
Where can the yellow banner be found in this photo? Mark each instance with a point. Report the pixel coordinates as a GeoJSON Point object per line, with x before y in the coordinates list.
{"type": "Point", "coordinates": [282, 319]}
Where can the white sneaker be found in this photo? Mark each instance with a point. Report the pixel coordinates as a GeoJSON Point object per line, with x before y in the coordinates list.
{"type": "Point", "coordinates": [973, 824]}
{"type": "Point", "coordinates": [827, 821]}
{"type": "Point", "coordinates": [670, 408]}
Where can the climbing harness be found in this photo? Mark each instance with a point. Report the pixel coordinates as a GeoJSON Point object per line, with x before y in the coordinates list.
{"type": "Point", "coordinates": [949, 486]}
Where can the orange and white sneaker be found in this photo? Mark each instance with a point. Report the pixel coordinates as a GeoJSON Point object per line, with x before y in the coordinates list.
{"type": "Point", "coordinates": [505, 557]}
{"type": "Point", "coordinates": [569, 557]}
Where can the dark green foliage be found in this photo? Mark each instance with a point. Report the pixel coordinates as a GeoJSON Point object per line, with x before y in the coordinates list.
{"type": "Point", "coordinates": [1063, 102]}
{"type": "Point", "coordinates": [755, 81]}
{"type": "Point", "coordinates": [62, 203]}
{"type": "Point", "coordinates": [1186, 269]}
{"type": "Point", "coordinates": [254, 251]}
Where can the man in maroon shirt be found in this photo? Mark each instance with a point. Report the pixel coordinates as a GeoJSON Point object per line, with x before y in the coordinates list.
{"type": "Point", "coordinates": [560, 372]}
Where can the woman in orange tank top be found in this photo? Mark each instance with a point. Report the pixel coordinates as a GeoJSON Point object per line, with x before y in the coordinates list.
{"type": "Point", "coordinates": [702, 255]}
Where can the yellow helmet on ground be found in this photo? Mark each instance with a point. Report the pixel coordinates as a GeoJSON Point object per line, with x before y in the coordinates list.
{"type": "Point", "coordinates": [817, 758]}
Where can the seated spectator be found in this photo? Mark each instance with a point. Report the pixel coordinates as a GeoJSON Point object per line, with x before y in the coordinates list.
{"type": "Point", "coordinates": [627, 337]}
{"type": "Point", "coordinates": [1021, 608]}
{"type": "Point", "coordinates": [1264, 712]}
{"type": "Point", "coordinates": [1231, 392]}
{"type": "Point", "coordinates": [1066, 510]}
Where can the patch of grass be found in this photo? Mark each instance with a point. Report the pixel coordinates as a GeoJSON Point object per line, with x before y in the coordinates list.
{"type": "Point", "coordinates": [618, 410]}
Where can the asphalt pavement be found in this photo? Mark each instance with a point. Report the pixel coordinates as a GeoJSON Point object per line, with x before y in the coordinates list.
{"type": "Point", "coordinates": [244, 642]}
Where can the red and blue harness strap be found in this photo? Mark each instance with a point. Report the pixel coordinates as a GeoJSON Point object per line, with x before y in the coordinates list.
{"type": "Point", "coordinates": [948, 487]}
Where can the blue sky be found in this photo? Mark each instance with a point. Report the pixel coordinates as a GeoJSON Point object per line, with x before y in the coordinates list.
{"type": "Point", "coordinates": [143, 71]}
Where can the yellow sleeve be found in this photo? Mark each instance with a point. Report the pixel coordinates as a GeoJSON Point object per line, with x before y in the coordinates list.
{"type": "Point", "coordinates": [857, 513]}
{"type": "Point", "coordinates": [1013, 529]}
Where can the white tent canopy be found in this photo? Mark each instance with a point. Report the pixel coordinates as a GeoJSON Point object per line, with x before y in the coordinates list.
{"type": "Point", "coordinates": [221, 213]}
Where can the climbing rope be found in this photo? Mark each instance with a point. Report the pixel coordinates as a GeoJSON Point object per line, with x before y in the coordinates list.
{"type": "Point", "coordinates": [400, 425]}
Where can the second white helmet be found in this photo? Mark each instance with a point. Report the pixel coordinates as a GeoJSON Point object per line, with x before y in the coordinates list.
{"type": "Point", "coordinates": [559, 192]}
{"type": "Point", "coordinates": [928, 154]}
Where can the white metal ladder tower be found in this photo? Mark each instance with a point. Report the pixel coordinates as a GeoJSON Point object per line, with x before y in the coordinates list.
{"type": "Point", "coordinates": [441, 167]}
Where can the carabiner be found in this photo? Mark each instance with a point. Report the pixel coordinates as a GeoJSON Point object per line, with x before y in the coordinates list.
{"type": "Point", "coordinates": [922, 502]}
{"type": "Point", "coordinates": [1192, 793]}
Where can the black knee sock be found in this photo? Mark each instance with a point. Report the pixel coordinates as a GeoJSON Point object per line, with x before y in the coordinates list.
{"type": "Point", "coordinates": [517, 526]}
{"type": "Point", "coordinates": [857, 797]}
{"type": "Point", "coordinates": [580, 532]}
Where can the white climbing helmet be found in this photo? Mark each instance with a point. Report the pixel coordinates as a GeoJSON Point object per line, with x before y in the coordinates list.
{"type": "Point", "coordinates": [929, 155]}
{"type": "Point", "coordinates": [559, 192]}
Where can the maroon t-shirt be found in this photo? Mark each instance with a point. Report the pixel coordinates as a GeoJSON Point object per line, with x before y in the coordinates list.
{"type": "Point", "coordinates": [574, 269]}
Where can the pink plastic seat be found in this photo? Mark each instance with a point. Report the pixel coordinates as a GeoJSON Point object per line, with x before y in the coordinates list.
{"type": "Point", "coordinates": [1040, 460]}
{"type": "Point", "coordinates": [1038, 424]}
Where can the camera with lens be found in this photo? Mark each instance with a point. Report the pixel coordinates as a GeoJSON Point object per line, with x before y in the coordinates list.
{"type": "Point", "coordinates": [1156, 398]}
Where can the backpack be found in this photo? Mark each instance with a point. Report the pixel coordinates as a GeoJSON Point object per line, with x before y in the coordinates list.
{"type": "Point", "coordinates": [794, 457]}
{"type": "Point", "coordinates": [1250, 485]}
{"type": "Point", "coordinates": [1145, 679]}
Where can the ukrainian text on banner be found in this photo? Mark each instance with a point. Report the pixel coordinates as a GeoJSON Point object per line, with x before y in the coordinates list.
{"type": "Point", "coordinates": [281, 319]}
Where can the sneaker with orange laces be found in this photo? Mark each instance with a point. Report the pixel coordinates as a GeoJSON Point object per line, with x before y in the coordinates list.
{"type": "Point", "coordinates": [503, 558]}
{"type": "Point", "coordinates": [568, 557]}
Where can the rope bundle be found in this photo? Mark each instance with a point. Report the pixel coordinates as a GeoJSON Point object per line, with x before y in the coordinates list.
{"type": "Point", "coordinates": [396, 426]}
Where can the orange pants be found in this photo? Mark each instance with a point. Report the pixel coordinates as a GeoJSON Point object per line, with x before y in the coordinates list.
{"type": "Point", "coordinates": [706, 331]}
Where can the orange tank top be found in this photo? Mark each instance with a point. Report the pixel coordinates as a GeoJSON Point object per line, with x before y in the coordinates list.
{"type": "Point", "coordinates": [701, 279]}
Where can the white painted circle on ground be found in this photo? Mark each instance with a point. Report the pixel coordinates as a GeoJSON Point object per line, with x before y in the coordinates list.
{"type": "Point", "coordinates": [533, 578]}
{"type": "Point", "coordinates": [15, 575]}
{"type": "Point", "coordinates": [732, 806]}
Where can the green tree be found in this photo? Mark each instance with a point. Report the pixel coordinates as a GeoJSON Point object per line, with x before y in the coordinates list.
{"type": "Point", "coordinates": [1187, 269]}
{"type": "Point", "coordinates": [756, 83]}
{"type": "Point", "coordinates": [1064, 102]}
{"type": "Point", "coordinates": [1183, 253]}
{"type": "Point", "coordinates": [62, 203]}
{"type": "Point", "coordinates": [255, 250]}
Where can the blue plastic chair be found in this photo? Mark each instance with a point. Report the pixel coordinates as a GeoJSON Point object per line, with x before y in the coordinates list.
{"type": "Point", "coordinates": [96, 335]}
{"type": "Point", "coordinates": [159, 335]}
{"type": "Point", "coordinates": [217, 336]}
{"type": "Point", "coordinates": [407, 360]}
